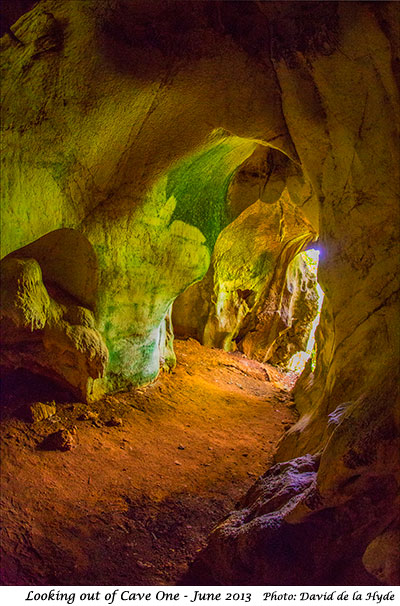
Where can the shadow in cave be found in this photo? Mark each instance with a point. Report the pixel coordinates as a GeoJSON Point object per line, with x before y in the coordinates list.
{"type": "Point", "coordinates": [68, 263]}
{"type": "Point", "coordinates": [20, 388]}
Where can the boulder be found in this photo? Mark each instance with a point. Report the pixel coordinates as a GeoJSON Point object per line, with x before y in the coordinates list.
{"type": "Point", "coordinates": [39, 411]}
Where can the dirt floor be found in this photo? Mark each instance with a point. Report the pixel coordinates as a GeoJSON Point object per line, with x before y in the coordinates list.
{"type": "Point", "coordinates": [131, 504]}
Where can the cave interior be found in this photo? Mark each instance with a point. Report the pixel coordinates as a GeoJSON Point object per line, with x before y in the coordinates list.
{"type": "Point", "coordinates": [199, 293]}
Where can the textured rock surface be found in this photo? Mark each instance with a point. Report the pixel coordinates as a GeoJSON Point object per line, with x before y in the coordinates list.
{"type": "Point", "coordinates": [269, 537]}
{"type": "Point", "coordinates": [382, 556]}
{"type": "Point", "coordinates": [63, 439]}
{"type": "Point", "coordinates": [39, 411]}
{"type": "Point", "coordinates": [50, 337]}
{"type": "Point", "coordinates": [248, 298]}
{"type": "Point", "coordinates": [107, 152]}
{"type": "Point", "coordinates": [255, 539]}
{"type": "Point", "coordinates": [127, 121]}
{"type": "Point", "coordinates": [298, 310]}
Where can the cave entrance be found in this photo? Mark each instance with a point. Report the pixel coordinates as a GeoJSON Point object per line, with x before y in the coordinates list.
{"type": "Point", "coordinates": [298, 361]}
{"type": "Point", "coordinates": [263, 305]}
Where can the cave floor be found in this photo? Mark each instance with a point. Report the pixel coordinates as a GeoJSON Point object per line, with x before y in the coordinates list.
{"type": "Point", "coordinates": [132, 504]}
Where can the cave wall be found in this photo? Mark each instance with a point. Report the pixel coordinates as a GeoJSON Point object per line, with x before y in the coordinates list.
{"type": "Point", "coordinates": [299, 312]}
{"type": "Point", "coordinates": [45, 329]}
{"type": "Point", "coordinates": [112, 140]}
{"type": "Point", "coordinates": [247, 298]}
{"type": "Point", "coordinates": [107, 105]}
{"type": "Point", "coordinates": [341, 108]}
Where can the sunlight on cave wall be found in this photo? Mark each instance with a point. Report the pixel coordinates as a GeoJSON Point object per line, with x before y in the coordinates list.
{"type": "Point", "coordinates": [299, 360]}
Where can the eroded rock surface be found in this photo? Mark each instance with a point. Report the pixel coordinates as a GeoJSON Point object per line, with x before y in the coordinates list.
{"type": "Point", "coordinates": [382, 556]}
{"type": "Point", "coordinates": [297, 312]}
{"type": "Point", "coordinates": [126, 122]}
{"type": "Point", "coordinates": [349, 407]}
{"type": "Point", "coordinates": [270, 536]}
{"type": "Point", "coordinates": [251, 293]}
{"type": "Point", "coordinates": [46, 336]}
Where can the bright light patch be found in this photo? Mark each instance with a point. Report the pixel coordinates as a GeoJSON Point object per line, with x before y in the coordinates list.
{"type": "Point", "coordinates": [300, 359]}
{"type": "Point", "coordinates": [311, 257]}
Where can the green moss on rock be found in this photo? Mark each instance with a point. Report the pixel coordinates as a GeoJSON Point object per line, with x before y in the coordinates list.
{"type": "Point", "coordinates": [200, 185]}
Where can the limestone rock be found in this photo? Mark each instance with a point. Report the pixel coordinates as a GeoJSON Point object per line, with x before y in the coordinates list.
{"type": "Point", "coordinates": [284, 523]}
{"type": "Point", "coordinates": [253, 541]}
{"type": "Point", "coordinates": [132, 142]}
{"type": "Point", "coordinates": [63, 439]}
{"type": "Point", "coordinates": [298, 310]}
{"type": "Point", "coordinates": [115, 422]}
{"type": "Point", "coordinates": [37, 335]}
{"type": "Point", "coordinates": [39, 411]}
{"type": "Point", "coordinates": [382, 557]}
{"type": "Point", "coordinates": [246, 279]}
{"type": "Point", "coordinates": [151, 218]}
{"type": "Point", "coordinates": [25, 300]}
{"type": "Point", "coordinates": [166, 345]}
{"type": "Point", "coordinates": [89, 415]}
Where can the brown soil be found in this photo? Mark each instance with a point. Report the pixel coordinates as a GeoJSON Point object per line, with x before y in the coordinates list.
{"type": "Point", "coordinates": [132, 504]}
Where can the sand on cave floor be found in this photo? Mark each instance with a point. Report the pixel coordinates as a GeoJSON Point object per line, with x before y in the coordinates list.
{"type": "Point", "coordinates": [131, 505]}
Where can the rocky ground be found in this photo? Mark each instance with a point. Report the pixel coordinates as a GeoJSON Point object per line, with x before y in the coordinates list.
{"type": "Point", "coordinates": [125, 491]}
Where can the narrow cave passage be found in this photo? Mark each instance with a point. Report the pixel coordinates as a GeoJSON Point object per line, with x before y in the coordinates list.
{"type": "Point", "coordinates": [299, 359]}
{"type": "Point", "coordinates": [151, 472]}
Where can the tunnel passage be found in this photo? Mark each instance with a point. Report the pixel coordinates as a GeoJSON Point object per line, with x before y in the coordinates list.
{"type": "Point", "coordinates": [260, 294]}
{"type": "Point", "coordinates": [306, 299]}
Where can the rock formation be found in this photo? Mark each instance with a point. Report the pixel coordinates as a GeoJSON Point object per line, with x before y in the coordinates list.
{"type": "Point", "coordinates": [125, 121]}
{"type": "Point", "coordinates": [298, 311]}
{"type": "Point", "coordinates": [257, 295]}
{"type": "Point", "coordinates": [45, 329]}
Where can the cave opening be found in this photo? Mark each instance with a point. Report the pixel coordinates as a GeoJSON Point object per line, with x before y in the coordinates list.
{"type": "Point", "coordinates": [299, 359]}
{"type": "Point", "coordinates": [169, 169]}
